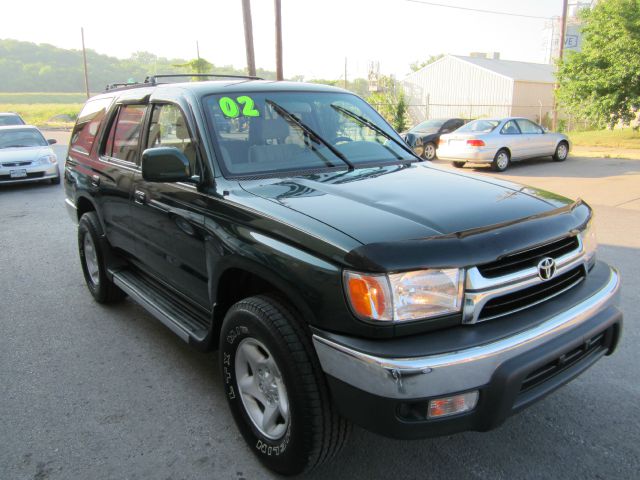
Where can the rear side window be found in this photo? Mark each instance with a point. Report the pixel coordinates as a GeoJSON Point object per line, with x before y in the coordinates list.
{"type": "Point", "coordinates": [86, 128]}
{"type": "Point", "coordinates": [124, 134]}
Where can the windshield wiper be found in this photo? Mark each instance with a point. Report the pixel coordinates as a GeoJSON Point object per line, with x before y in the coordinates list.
{"type": "Point", "coordinates": [374, 127]}
{"type": "Point", "coordinates": [290, 117]}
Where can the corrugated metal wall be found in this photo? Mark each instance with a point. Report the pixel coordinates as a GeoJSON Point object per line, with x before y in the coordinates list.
{"type": "Point", "coordinates": [531, 99]}
{"type": "Point", "coordinates": [454, 88]}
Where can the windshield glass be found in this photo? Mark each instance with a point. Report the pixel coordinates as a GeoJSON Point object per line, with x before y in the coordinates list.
{"type": "Point", "coordinates": [10, 120]}
{"type": "Point", "coordinates": [267, 132]}
{"type": "Point", "coordinates": [479, 126]}
{"type": "Point", "coordinates": [27, 137]}
{"type": "Point", "coordinates": [429, 125]}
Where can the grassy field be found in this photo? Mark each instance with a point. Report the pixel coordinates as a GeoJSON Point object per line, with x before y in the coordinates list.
{"type": "Point", "coordinates": [41, 114]}
{"type": "Point", "coordinates": [625, 138]}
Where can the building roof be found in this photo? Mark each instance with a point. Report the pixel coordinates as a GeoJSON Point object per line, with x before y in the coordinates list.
{"type": "Point", "coordinates": [519, 71]}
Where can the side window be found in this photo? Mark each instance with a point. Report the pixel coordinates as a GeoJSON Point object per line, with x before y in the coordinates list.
{"type": "Point", "coordinates": [510, 128]}
{"type": "Point", "coordinates": [124, 135]}
{"type": "Point", "coordinates": [86, 128]}
{"type": "Point", "coordinates": [528, 127]}
{"type": "Point", "coordinates": [168, 128]}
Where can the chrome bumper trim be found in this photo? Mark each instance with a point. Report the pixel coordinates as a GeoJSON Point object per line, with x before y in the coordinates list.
{"type": "Point", "coordinates": [406, 378]}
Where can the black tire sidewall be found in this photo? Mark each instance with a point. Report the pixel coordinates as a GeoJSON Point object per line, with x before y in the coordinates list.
{"type": "Point", "coordinates": [289, 454]}
{"type": "Point", "coordinates": [495, 161]}
{"type": "Point", "coordinates": [86, 226]}
{"type": "Point", "coordinates": [555, 155]}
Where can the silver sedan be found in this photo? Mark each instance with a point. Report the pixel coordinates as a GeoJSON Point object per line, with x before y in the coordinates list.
{"type": "Point", "coordinates": [500, 142]}
{"type": "Point", "coordinates": [25, 156]}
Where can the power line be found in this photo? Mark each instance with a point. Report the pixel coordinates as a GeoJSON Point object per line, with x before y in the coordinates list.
{"type": "Point", "coordinates": [494, 12]}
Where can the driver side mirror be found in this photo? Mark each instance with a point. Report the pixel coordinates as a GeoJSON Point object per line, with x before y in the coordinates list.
{"type": "Point", "coordinates": [165, 164]}
{"type": "Point", "coordinates": [52, 141]}
{"type": "Point", "coordinates": [445, 130]}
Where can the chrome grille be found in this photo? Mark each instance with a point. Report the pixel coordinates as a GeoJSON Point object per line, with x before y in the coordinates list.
{"type": "Point", "coordinates": [496, 289]}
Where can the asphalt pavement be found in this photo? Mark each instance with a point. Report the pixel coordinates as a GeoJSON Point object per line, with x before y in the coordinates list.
{"type": "Point", "coordinates": [95, 392]}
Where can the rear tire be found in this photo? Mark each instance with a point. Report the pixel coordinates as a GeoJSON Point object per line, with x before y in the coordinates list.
{"type": "Point", "coordinates": [562, 152]}
{"type": "Point", "coordinates": [458, 164]}
{"type": "Point", "coordinates": [307, 429]}
{"type": "Point", "coordinates": [429, 152]}
{"type": "Point", "coordinates": [55, 180]}
{"type": "Point", "coordinates": [92, 248]}
{"type": "Point", "coordinates": [501, 161]}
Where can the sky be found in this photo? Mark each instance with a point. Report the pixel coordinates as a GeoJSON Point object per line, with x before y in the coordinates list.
{"type": "Point", "coordinates": [317, 34]}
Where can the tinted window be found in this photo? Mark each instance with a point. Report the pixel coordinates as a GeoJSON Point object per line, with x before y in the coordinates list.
{"type": "Point", "coordinates": [6, 120]}
{"type": "Point", "coordinates": [168, 128]}
{"type": "Point", "coordinates": [86, 128]}
{"type": "Point", "coordinates": [479, 126]}
{"type": "Point", "coordinates": [510, 128]}
{"type": "Point", "coordinates": [23, 137]}
{"type": "Point", "coordinates": [528, 127]}
{"type": "Point", "coordinates": [124, 134]}
{"type": "Point", "coordinates": [428, 125]}
{"type": "Point", "coordinates": [255, 136]}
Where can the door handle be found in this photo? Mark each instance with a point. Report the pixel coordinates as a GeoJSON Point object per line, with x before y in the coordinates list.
{"type": "Point", "coordinates": [95, 180]}
{"type": "Point", "coordinates": [139, 197]}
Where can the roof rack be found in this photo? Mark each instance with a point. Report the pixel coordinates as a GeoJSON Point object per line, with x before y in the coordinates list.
{"type": "Point", "coordinates": [153, 79]}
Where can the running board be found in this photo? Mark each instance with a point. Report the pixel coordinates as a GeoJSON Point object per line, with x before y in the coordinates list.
{"type": "Point", "coordinates": [174, 313]}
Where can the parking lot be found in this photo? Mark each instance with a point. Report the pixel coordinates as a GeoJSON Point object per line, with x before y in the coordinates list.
{"type": "Point", "coordinates": [92, 392]}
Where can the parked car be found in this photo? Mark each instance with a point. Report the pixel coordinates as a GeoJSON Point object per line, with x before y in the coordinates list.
{"type": "Point", "coordinates": [10, 118]}
{"type": "Point", "coordinates": [424, 137]}
{"type": "Point", "coordinates": [25, 156]}
{"type": "Point", "coordinates": [291, 242]}
{"type": "Point", "coordinates": [500, 142]}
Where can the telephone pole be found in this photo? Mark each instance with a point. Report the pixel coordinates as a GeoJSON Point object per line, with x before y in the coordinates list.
{"type": "Point", "coordinates": [563, 28]}
{"type": "Point", "coordinates": [84, 58]}
{"type": "Point", "coordinates": [279, 75]}
{"type": "Point", "coordinates": [248, 37]}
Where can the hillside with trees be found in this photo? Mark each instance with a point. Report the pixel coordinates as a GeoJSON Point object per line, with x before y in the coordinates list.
{"type": "Point", "coordinates": [30, 67]}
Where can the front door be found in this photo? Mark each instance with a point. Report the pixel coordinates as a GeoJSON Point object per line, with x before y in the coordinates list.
{"type": "Point", "coordinates": [168, 218]}
{"type": "Point", "coordinates": [537, 141]}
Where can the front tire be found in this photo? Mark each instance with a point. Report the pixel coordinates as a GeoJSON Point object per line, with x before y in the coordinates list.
{"type": "Point", "coordinates": [275, 388]}
{"type": "Point", "coordinates": [429, 152]}
{"type": "Point", "coordinates": [92, 248]}
{"type": "Point", "coordinates": [458, 164]}
{"type": "Point", "coordinates": [501, 161]}
{"type": "Point", "coordinates": [562, 152]}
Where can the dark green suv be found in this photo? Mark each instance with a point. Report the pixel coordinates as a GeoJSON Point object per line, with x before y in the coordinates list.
{"type": "Point", "coordinates": [340, 277]}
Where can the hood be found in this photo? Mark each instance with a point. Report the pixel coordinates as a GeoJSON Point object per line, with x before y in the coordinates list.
{"type": "Point", "coordinates": [23, 154]}
{"type": "Point", "coordinates": [405, 202]}
{"type": "Point", "coordinates": [412, 135]}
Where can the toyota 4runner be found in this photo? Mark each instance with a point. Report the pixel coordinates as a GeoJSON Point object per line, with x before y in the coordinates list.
{"type": "Point", "coordinates": [341, 278]}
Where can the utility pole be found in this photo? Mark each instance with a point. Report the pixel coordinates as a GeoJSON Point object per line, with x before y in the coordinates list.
{"type": "Point", "coordinates": [248, 37]}
{"type": "Point", "coordinates": [84, 58]}
{"type": "Point", "coordinates": [197, 50]}
{"type": "Point", "coordinates": [279, 75]}
{"type": "Point", "coordinates": [345, 73]}
{"type": "Point", "coordinates": [563, 28]}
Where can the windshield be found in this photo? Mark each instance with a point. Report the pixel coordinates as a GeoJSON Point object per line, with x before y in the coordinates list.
{"type": "Point", "coordinates": [10, 120]}
{"type": "Point", "coordinates": [27, 137]}
{"type": "Point", "coordinates": [429, 125]}
{"type": "Point", "coordinates": [479, 126]}
{"type": "Point", "coordinates": [267, 132]}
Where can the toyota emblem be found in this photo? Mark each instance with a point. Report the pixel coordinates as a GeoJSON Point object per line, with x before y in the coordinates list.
{"type": "Point", "coordinates": [546, 268]}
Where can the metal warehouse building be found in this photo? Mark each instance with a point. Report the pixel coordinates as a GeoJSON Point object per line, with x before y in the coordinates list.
{"type": "Point", "coordinates": [476, 87]}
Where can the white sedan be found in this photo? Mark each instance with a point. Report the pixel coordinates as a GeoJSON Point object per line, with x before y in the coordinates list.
{"type": "Point", "coordinates": [500, 142]}
{"type": "Point", "coordinates": [25, 156]}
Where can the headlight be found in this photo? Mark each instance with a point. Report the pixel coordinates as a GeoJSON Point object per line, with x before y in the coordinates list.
{"type": "Point", "coordinates": [48, 159]}
{"type": "Point", "coordinates": [589, 243]}
{"type": "Point", "coordinates": [400, 297]}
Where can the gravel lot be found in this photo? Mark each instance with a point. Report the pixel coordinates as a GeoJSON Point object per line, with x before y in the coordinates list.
{"type": "Point", "coordinates": [93, 392]}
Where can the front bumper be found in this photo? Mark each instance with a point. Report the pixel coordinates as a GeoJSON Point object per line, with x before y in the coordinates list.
{"type": "Point", "coordinates": [35, 173]}
{"type": "Point", "coordinates": [387, 393]}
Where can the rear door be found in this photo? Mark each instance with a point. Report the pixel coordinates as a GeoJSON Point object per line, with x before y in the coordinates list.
{"type": "Point", "coordinates": [168, 218]}
{"type": "Point", "coordinates": [512, 137]}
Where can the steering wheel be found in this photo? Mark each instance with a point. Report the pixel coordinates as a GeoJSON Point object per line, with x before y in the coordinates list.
{"type": "Point", "coordinates": [341, 139]}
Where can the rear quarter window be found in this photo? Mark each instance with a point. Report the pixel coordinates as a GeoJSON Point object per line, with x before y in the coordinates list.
{"type": "Point", "coordinates": [86, 128]}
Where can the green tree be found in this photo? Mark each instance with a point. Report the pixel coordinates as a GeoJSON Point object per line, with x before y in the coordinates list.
{"type": "Point", "coordinates": [197, 65]}
{"type": "Point", "coordinates": [417, 65]}
{"type": "Point", "coordinates": [602, 82]}
{"type": "Point", "coordinates": [400, 114]}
